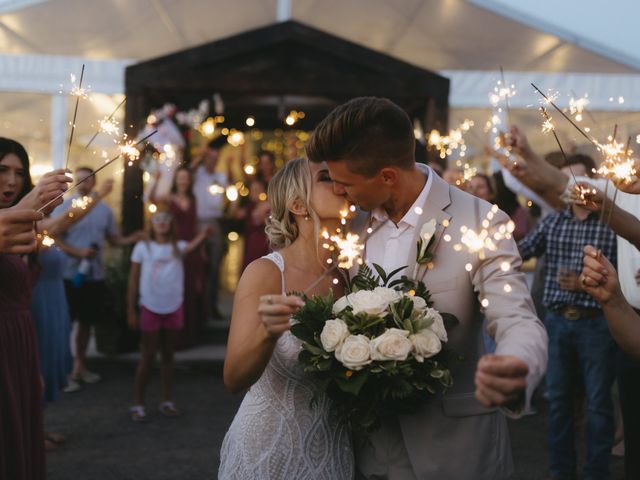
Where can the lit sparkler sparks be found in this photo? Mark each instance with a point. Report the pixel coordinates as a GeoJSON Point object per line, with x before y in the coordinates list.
{"type": "Point", "coordinates": [81, 203]}
{"type": "Point", "coordinates": [485, 239]}
{"type": "Point", "coordinates": [76, 89]}
{"type": "Point", "coordinates": [447, 144]}
{"type": "Point", "coordinates": [109, 126]}
{"type": "Point", "coordinates": [577, 106]}
{"type": "Point", "coordinates": [348, 247]}
{"type": "Point", "coordinates": [129, 150]}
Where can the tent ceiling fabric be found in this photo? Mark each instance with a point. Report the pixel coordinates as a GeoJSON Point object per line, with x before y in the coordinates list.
{"type": "Point", "coordinates": [433, 34]}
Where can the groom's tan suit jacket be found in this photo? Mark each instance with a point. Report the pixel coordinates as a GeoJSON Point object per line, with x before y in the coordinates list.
{"type": "Point", "coordinates": [454, 437]}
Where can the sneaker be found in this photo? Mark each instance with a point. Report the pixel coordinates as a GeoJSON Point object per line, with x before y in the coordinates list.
{"type": "Point", "coordinates": [72, 386]}
{"type": "Point", "coordinates": [137, 413]}
{"type": "Point", "coordinates": [88, 377]}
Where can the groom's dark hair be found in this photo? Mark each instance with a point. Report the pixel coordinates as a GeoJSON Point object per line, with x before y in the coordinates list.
{"type": "Point", "coordinates": [367, 133]}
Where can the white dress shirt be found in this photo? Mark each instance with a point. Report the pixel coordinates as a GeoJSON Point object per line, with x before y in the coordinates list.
{"type": "Point", "coordinates": [390, 245]}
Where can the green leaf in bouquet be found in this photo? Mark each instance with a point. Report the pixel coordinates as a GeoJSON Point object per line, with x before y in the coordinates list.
{"type": "Point", "coordinates": [400, 389]}
{"type": "Point", "coordinates": [437, 374]}
{"type": "Point", "coordinates": [352, 384]}
{"type": "Point", "coordinates": [393, 274]}
{"type": "Point", "coordinates": [401, 310]}
{"type": "Point", "coordinates": [314, 349]}
{"type": "Point", "coordinates": [381, 273]}
{"type": "Point", "coordinates": [303, 332]}
{"type": "Point", "coordinates": [365, 279]}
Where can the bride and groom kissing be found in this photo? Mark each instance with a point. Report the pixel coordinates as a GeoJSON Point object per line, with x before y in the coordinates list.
{"type": "Point", "coordinates": [363, 153]}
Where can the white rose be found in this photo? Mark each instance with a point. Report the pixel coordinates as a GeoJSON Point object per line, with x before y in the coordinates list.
{"type": "Point", "coordinates": [362, 301]}
{"type": "Point", "coordinates": [388, 294]}
{"type": "Point", "coordinates": [418, 302]}
{"type": "Point", "coordinates": [354, 352]}
{"type": "Point", "coordinates": [333, 334]}
{"type": "Point", "coordinates": [438, 324]}
{"type": "Point", "coordinates": [425, 344]}
{"type": "Point", "coordinates": [340, 304]}
{"type": "Point", "coordinates": [391, 345]}
{"type": "Point", "coordinates": [426, 233]}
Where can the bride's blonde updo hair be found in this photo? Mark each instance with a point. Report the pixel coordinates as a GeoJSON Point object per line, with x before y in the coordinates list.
{"type": "Point", "coordinates": [292, 182]}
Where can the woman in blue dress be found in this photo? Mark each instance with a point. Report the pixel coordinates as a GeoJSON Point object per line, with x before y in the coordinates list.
{"type": "Point", "coordinates": [49, 306]}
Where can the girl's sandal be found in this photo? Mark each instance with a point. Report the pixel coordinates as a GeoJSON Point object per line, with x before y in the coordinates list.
{"type": "Point", "coordinates": [168, 409]}
{"type": "Point", "coordinates": [137, 413]}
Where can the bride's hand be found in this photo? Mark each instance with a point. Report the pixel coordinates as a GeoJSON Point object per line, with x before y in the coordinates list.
{"type": "Point", "coordinates": [275, 313]}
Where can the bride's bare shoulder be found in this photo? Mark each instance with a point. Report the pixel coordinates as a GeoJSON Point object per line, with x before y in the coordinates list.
{"type": "Point", "coordinates": [260, 275]}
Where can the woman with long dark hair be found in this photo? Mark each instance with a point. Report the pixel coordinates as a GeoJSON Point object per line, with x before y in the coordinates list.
{"type": "Point", "coordinates": [21, 431]}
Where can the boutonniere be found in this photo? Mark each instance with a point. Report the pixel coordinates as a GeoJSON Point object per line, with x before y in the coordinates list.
{"type": "Point", "coordinates": [424, 253]}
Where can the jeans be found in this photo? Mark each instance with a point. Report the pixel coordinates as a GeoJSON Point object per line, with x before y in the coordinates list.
{"type": "Point", "coordinates": [581, 347]}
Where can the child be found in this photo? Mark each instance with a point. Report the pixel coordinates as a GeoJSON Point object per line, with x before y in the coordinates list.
{"type": "Point", "coordinates": [157, 274]}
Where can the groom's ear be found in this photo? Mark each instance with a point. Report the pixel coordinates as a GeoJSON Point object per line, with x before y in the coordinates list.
{"type": "Point", "coordinates": [298, 207]}
{"type": "Point", "coordinates": [389, 176]}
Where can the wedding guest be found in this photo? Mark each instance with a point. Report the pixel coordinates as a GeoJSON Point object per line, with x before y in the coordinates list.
{"type": "Point", "coordinates": [293, 432]}
{"type": "Point", "coordinates": [546, 181]}
{"type": "Point", "coordinates": [49, 306]}
{"type": "Point", "coordinates": [210, 210]}
{"type": "Point", "coordinates": [266, 166]}
{"type": "Point", "coordinates": [157, 277]}
{"type": "Point", "coordinates": [254, 214]}
{"type": "Point", "coordinates": [21, 434]}
{"type": "Point", "coordinates": [578, 336]}
{"type": "Point", "coordinates": [181, 203]}
{"type": "Point", "coordinates": [84, 277]}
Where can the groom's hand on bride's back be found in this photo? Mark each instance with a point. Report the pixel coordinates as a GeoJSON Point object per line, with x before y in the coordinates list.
{"type": "Point", "coordinates": [275, 313]}
{"type": "Point", "coordinates": [501, 380]}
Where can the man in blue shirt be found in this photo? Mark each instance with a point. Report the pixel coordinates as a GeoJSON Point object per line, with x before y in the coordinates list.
{"type": "Point", "coordinates": [84, 276]}
{"type": "Point", "coordinates": [579, 339]}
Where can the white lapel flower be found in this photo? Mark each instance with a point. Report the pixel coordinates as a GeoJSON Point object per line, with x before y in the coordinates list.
{"type": "Point", "coordinates": [424, 242]}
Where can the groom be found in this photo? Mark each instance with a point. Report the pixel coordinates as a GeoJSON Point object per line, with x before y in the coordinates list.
{"type": "Point", "coordinates": [368, 144]}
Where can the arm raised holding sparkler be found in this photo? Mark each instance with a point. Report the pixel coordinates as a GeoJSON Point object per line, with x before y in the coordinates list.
{"type": "Point", "coordinates": [601, 282]}
{"type": "Point", "coordinates": [620, 221]}
{"type": "Point", "coordinates": [54, 226]}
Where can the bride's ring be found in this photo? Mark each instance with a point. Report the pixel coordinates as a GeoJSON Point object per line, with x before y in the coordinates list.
{"type": "Point", "coordinates": [583, 280]}
{"type": "Point", "coordinates": [269, 299]}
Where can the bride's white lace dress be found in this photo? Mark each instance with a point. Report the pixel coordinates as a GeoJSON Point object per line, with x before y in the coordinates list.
{"type": "Point", "coordinates": [278, 432]}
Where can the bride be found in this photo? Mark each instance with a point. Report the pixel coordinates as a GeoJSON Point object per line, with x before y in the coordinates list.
{"type": "Point", "coordinates": [284, 428]}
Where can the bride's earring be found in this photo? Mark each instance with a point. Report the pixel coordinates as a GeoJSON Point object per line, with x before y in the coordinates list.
{"type": "Point", "coordinates": [306, 217]}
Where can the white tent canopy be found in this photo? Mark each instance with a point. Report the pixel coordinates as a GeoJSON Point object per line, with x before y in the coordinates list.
{"type": "Point", "coordinates": [43, 41]}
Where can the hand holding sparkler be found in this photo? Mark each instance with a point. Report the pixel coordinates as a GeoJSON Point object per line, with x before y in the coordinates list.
{"type": "Point", "coordinates": [275, 313]}
{"type": "Point", "coordinates": [47, 194]}
{"type": "Point", "coordinates": [17, 235]}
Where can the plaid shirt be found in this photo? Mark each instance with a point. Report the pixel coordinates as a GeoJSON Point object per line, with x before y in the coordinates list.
{"type": "Point", "coordinates": [561, 237]}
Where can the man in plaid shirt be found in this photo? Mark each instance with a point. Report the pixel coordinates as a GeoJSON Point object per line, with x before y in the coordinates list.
{"type": "Point", "coordinates": [579, 339]}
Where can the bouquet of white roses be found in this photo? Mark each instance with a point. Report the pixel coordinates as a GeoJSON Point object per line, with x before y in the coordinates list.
{"type": "Point", "coordinates": [378, 350]}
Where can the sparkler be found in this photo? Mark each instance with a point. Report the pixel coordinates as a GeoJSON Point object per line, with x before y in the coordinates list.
{"type": "Point", "coordinates": [550, 101]}
{"type": "Point", "coordinates": [509, 93]}
{"type": "Point", "coordinates": [349, 247]}
{"type": "Point", "coordinates": [483, 241]}
{"type": "Point", "coordinates": [78, 92]}
{"type": "Point", "coordinates": [447, 144]}
{"type": "Point", "coordinates": [106, 164]}
{"type": "Point", "coordinates": [108, 124]}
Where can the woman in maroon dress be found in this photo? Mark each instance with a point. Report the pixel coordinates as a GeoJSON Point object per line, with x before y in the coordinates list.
{"type": "Point", "coordinates": [21, 430]}
{"type": "Point", "coordinates": [182, 205]}
{"type": "Point", "coordinates": [254, 214]}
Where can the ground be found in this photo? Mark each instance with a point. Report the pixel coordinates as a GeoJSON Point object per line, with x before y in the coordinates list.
{"type": "Point", "coordinates": [104, 444]}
